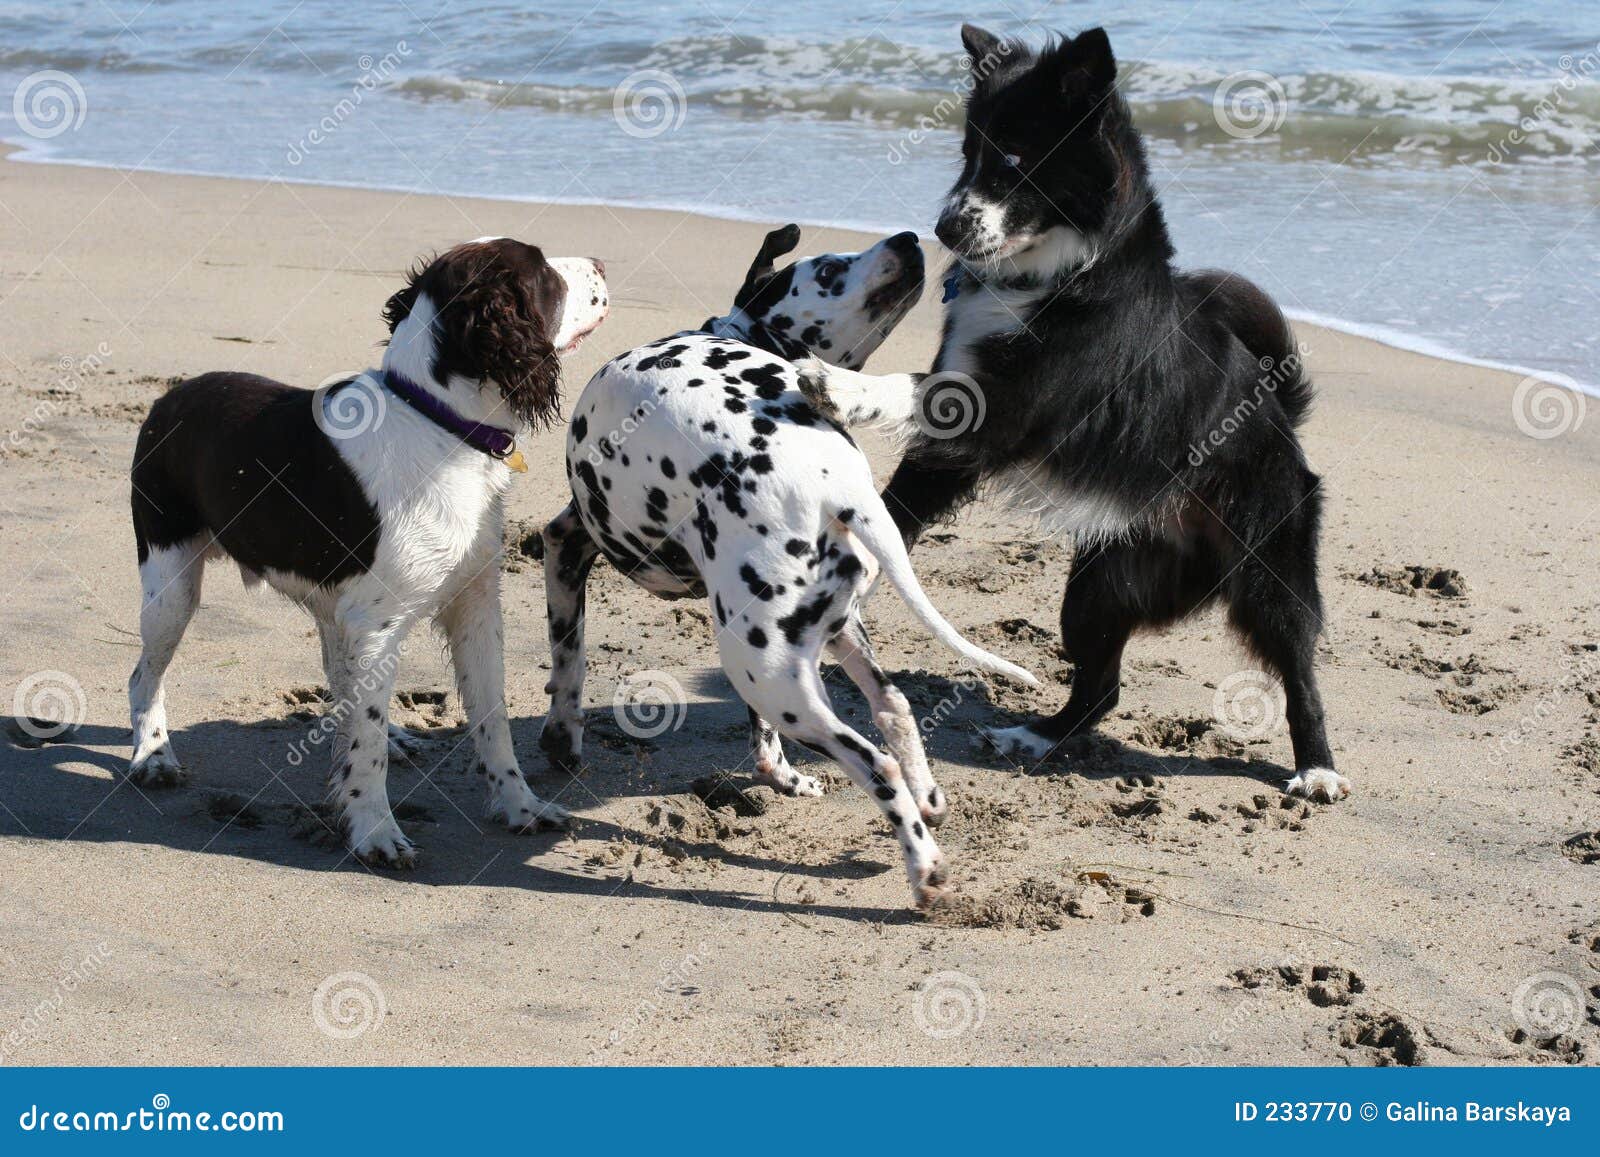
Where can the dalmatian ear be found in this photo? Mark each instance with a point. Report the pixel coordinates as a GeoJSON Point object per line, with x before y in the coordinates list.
{"type": "Point", "coordinates": [778, 243]}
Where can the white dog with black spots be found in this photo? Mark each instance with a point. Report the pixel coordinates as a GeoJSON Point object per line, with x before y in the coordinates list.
{"type": "Point", "coordinates": [699, 468]}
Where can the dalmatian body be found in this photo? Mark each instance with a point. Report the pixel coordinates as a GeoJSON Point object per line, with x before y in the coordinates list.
{"type": "Point", "coordinates": [699, 468]}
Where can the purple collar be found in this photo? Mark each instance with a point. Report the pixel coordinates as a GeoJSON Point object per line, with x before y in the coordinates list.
{"type": "Point", "coordinates": [490, 440]}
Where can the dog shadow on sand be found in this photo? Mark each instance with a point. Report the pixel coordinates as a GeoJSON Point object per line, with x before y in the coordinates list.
{"type": "Point", "coordinates": [256, 792]}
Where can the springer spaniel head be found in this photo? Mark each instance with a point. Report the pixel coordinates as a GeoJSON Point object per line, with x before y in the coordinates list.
{"type": "Point", "coordinates": [498, 313]}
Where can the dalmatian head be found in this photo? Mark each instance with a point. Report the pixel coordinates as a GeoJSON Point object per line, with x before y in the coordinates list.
{"type": "Point", "coordinates": [838, 307]}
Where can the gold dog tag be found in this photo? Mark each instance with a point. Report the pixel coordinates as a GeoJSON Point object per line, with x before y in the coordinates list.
{"type": "Point", "coordinates": [517, 462]}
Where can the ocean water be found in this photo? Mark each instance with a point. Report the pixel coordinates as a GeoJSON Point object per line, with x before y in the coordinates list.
{"type": "Point", "coordinates": [1423, 173]}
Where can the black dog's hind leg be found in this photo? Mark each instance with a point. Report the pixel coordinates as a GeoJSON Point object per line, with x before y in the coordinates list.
{"type": "Point", "coordinates": [569, 553]}
{"type": "Point", "coordinates": [1113, 590]}
{"type": "Point", "coordinates": [1274, 603]}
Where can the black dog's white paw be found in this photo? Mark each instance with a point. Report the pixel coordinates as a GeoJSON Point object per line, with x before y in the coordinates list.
{"type": "Point", "coordinates": [1321, 784]}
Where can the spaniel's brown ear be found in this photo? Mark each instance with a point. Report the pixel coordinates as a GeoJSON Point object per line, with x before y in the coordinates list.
{"type": "Point", "coordinates": [506, 341]}
{"type": "Point", "coordinates": [777, 244]}
{"type": "Point", "coordinates": [399, 306]}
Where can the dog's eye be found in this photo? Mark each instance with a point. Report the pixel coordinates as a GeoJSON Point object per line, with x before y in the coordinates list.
{"type": "Point", "coordinates": [1011, 160]}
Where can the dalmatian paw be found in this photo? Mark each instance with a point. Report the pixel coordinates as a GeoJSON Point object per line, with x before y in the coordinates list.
{"type": "Point", "coordinates": [1018, 742]}
{"type": "Point", "coordinates": [930, 889]}
{"type": "Point", "coordinates": [1322, 784]}
{"type": "Point", "coordinates": [562, 744]}
{"type": "Point", "coordinates": [383, 846]}
{"type": "Point", "coordinates": [785, 780]}
{"type": "Point", "coordinates": [158, 769]}
{"type": "Point", "coordinates": [935, 808]}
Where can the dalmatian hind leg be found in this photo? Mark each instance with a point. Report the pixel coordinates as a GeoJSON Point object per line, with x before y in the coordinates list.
{"type": "Point", "coordinates": [771, 766]}
{"type": "Point", "coordinates": [776, 671]}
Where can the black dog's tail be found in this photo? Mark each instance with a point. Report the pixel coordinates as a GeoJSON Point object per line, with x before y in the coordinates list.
{"type": "Point", "coordinates": [1261, 328]}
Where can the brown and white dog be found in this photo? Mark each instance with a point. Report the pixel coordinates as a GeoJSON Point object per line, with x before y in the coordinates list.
{"type": "Point", "coordinates": [372, 502]}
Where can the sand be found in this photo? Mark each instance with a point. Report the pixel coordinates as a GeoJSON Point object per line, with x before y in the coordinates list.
{"type": "Point", "coordinates": [1148, 899]}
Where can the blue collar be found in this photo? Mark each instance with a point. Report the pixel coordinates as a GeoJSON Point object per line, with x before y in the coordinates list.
{"type": "Point", "coordinates": [952, 286]}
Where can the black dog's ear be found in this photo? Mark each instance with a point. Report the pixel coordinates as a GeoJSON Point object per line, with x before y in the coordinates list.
{"type": "Point", "coordinates": [979, 43]}
{"type": "Point", "coordinates": [777, 243]}
{"type": "Point", "coordinates": [399, 307]}
{"type": "Point", "coordinates": [1088, 66]}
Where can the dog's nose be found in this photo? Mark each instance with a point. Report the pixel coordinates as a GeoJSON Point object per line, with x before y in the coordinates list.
{"type": "Point", "coordinates": [948, 231]}
{"type": "Point", "coordinates": [599, 266]}
{"type": "Point", "coordinates": [903, 242]}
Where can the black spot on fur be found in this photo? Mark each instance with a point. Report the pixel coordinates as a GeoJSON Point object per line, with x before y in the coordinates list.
{"type": "Point", "coordinates": [806, 614]}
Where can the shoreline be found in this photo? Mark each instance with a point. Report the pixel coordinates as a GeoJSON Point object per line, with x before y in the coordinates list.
{"type": "Point", "coordinates": [24, 152]}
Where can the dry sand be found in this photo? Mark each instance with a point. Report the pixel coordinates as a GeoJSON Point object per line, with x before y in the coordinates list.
{"type": "Point", "coordinates": [1148, 899]}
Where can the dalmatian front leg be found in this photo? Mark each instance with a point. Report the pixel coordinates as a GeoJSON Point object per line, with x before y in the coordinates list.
{"type": "Point", "coordinates": [569, 553]}
{"type": "Point", "coordinates": [857, 399]}
{"type": "Point", "coordinates": [771, 767]}
{"type": "Point", "coordinates": [472, 626]}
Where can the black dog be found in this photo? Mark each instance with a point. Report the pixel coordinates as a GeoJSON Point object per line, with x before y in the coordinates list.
{"type": "Point", "coordinates": [1151, 413]}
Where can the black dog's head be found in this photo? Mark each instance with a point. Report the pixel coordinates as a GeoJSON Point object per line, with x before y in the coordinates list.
{"type": "Point", "coordinates": [839, 306]}
{"type": "Point", "coordinates": [1049, 154]}
{"type": "Point", "coordinates": [498, 312]}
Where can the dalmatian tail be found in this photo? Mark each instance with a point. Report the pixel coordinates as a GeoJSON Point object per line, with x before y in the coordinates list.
{"type": "Point", "coordinates": [874, 526]}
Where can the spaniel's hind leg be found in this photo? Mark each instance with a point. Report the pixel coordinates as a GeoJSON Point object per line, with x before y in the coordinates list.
{"type": "Point", "coordinates": [170, 579]}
